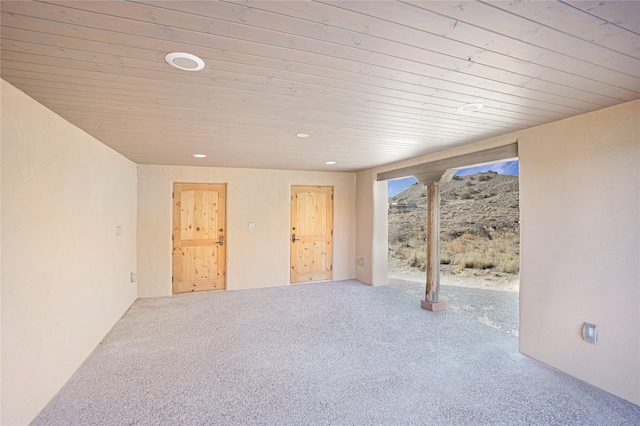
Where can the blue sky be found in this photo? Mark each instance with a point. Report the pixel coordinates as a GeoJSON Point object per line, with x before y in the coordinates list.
{"type": "Point", "coordinates": [511, 168]}
{"type": "Point", "coordinates": [506, 168]}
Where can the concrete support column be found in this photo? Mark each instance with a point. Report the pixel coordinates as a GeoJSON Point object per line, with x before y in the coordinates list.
{"type": "Point", "coordinates": [432, 301]}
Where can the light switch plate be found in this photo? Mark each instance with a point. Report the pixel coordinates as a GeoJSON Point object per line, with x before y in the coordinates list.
{"type": "Point", "coordinates": [590, 332]}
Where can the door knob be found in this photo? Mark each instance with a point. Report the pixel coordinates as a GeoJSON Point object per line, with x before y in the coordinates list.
{"type": "Point", "coordinates": [293, 238]}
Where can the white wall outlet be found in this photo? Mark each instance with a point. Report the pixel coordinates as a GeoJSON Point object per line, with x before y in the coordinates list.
{"type": "Point", "coordinates": [134, 277]}
{"type": "Point", "coordinates": [590, 332]}
{"type": "Point", "coordinates": [252, 225]}
{"type": "Point", "coordinates": [118, 230]}
{"type": "Point", "coordinates": [361, 261]}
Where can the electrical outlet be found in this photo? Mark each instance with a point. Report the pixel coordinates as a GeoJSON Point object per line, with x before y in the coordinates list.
{"type": "Point", "coordinates": [590, 332]}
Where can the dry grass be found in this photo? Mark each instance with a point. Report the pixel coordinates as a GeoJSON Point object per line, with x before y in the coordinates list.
{"type": "Point", "coordinates": [478, 221]}
{"type": "Point", "coordinates": [499, 252]}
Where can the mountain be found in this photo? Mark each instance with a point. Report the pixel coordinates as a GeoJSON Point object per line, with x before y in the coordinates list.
{"type": "Point", "coordinates": [479, 219]}
{"type": "Point", "coordinates": [475, 204]}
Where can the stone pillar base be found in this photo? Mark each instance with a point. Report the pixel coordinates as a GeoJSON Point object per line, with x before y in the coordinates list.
{"type": "Point", "coordinates": [430, 306]}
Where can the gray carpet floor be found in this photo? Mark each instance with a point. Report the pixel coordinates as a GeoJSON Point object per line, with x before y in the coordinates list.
{"type": "Point", "coordinates": [338, 353]}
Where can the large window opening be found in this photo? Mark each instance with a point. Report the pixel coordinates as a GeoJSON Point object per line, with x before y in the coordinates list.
{"type": "Point", "coordinates": [479, 241]}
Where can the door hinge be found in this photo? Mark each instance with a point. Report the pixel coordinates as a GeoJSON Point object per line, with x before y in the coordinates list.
{"type": "Point", "coordinates": [332, 267]}
{"type": "Point", "coordinates": [331, 197]}
{"type": "Point", "coordinates": [171, 279]}
{"type": "Point", "coordinates": [332, 232]}
{"type": "Point", "coordinates": [172, 237]}
{"type": "Point", "coordinates": [173, 195]}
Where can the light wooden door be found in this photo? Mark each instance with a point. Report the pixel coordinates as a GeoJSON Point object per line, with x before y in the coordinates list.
{"type": "Point", "coordinates": [311, 233]}
{"type": "Point", "coordinates": [199, 244]}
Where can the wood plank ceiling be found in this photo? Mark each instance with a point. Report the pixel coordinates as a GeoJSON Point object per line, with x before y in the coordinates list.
{"type": "Point", "coordinates": [371, 82]}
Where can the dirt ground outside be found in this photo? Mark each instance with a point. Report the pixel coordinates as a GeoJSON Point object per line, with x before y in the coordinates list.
{"type": "Point", "coordinates": [450, 276]}
{"type": "Point", "coordinates": [477, 294]}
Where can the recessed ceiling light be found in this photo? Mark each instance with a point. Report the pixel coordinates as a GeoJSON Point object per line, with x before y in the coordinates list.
{"type": "Point", "coordinates": [330, 162]}
{"type": "Point", "coordinates": [469, 107]}
{"type": "Point", "coordinates": [302, 135]}
{"type": "Point", "coordinates": [184, 61]}
{"type": "Point", "coordinates": [200, 155]}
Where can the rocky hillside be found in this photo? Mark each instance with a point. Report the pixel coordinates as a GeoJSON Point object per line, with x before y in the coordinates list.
{"type": "Point", "coordinates": [474, 209]}
{"type": "Point", "coordinates": [475, 204]}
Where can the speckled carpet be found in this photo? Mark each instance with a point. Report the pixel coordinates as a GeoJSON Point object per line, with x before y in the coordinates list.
{"type": "Point", "coordinates": [323, 353]}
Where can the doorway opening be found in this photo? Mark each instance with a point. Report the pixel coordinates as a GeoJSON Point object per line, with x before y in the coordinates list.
{"type": "Point", "coordinates": [479, 241]}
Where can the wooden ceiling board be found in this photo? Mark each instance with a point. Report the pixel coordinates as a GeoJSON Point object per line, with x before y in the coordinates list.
{"type": "Point", "coordinates": [615, 12]}
{"type": "Point", "coordinates": [372, 82]}
{"type": "Point", "coordinates": [363, 42]}
{"type": "Point", "coordinates": [561, 17]}
{"type": "Point", "coordinates": [103, 69]}
{"type": "Point", "coordinates": [445, 88]}
{"type": "Point", "coordinates": [468, 83]}
{"type": "Point", "coordinates": [491, 16]}
{"type": "Point", "coordinates": [498, 51]}
{"type": "Point", "coordinates": [64, 45]}
{"type": "Point", "coordinates": [88, 87]}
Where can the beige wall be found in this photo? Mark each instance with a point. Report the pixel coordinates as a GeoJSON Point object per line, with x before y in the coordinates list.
{"type": "Point", "coordinates": [64, 273]}
{"type": "Point", "coordinates": [580, 238]}
{"type": "Point", "coordinates": [372, 229]}
{"type": "Point", "coordinates": [580, 214]}
{"type": "Point", "coordinates": [256, 257]}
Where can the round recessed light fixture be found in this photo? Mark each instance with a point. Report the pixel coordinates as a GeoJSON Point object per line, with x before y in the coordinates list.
{"type": "Point", "coordinates": [302, 135]}
{"type": "Point", "coordinates": [469, 107]}
{"type": "Point", "coordinates": [184, 61]}
{"type": "Point", "coordinates": [330, 163]}
{"type": "Point", "coordinates": [200, 155]}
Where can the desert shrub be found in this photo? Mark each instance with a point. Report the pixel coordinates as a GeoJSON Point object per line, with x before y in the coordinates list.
{"type": "Point", "coordinates": [399, 252]}
{"type": "Point", "coordinates": [418, 260]}
{"type": "Point", "coordinates": [456, 246]}
{"type": "Point", "coordinates": [473, 260]}
{"type": "Point", "coordinates": [493, 250]}
{"type": "Point", "coordinates": [456, 177]}
{"type": "Point", "coordinates": [510, 266]}
{"type": "Point", "coordinates": [469, 183]}
{"type": "Point", "coordinates": [483, 178]}
{"type": "Point", "coordinates": [466, 196]}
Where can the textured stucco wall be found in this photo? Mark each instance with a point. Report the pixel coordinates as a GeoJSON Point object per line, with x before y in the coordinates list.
{"type": "Point", "coordinates": [65, 273]}
{"type": "Point", "coordinates": [580, 246]}
{"type": "Point", "coordinates": [580, 238]}
{"type": "Point", "coordinates": [256, 257]}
